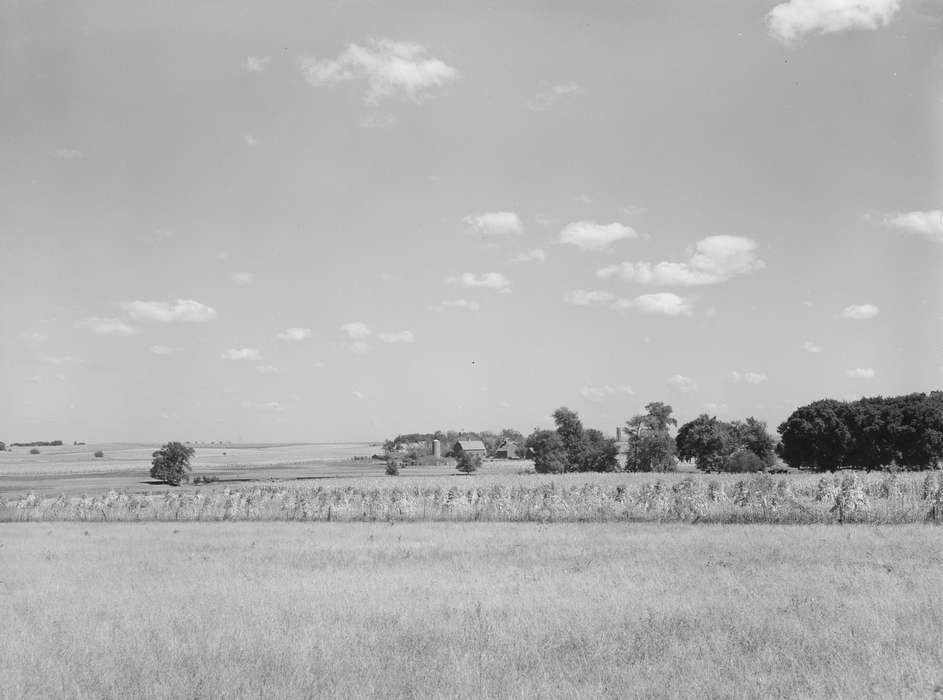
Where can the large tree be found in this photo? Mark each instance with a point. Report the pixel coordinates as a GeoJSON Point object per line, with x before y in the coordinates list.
{"type": "Point", "coordinates": [707, 441]}
{"type": "Point", "coordinates": [171, 463]}
{"type": "Point", "coordinates": [651, 446]}
{"type": "Point", "coordinates": [570, 430]}
{"type": "Point", "coordinates": [548, 452]}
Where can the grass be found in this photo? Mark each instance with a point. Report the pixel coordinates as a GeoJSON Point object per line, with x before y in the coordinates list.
{"type": "Point", "coordinates": [161, 610]}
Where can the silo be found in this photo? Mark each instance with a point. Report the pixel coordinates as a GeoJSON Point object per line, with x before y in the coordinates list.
{"type": "Point", "coordinates": [436, 449]}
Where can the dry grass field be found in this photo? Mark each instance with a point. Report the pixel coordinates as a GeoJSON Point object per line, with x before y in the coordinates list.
{"type": "Point", "coordinates": [168, 610]}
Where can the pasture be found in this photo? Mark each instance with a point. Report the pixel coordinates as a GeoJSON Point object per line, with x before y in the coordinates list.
{"type": "Point", "coordinates": [166, 610]}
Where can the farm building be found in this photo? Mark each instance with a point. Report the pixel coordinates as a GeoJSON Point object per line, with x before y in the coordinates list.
{"type": "Point", "coordinates": [472, 447]}
{"type": "Point", "coordinates": [507, 449]}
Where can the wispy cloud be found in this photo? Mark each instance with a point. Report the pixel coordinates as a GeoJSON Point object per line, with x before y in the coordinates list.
{"type": "Point", "coordinates": [356, 330]}
{"type": "Point", "coordinates": [357, 394]}
{"type": "Point", "coordinates": [270, 406]}
{"type": "Point", "coordinates": [598, 393]}
{"type": "Point", "coordinates": [682, 383]}
{"type": "Point", "coordinates": [388, 67]}
{"type": "Point", "coordinates": [251, 141]}
{"type": "Point", "coordinates": [713, 260]}
{"type": "Point", "coordinates": [860, 373]}
{"type": "Point", "coordinates": [256, 64]}
{"type": "Point", "coordinates": [547, 97]}
{"type": "Point", "coordinates": [294, 334]}
{"type": "Point", "coordinates": [588, 235]}
{"type": "Point", "coordinates": [360, 347]}
{"type": "Point", "coordinates": [535, 255]}
{"type": "Point", "coordinates": [249, 354]}
{"type": "Point", "coordinates": [107, 326]}
{"type": "Point", "coordinates": [486, 280]}
{"type": "Point", "coordinates": [860, 312]}
{"type": "Point", "coordinates": [163, 350]}
{"type": "Point", "coordinates": [921, 223]}
{"type": "Point", "coordinates": [809, 346]}
{"type": "Point", "coordinates": [186, 310]}
{"type": "Point", "coordinates": [791, 21]}
{"type": "Point", "coordinates": [663, 303]}
{"type": "Point", "coordinates": [398, 337]}
{"type": "Point", "coordinates": [588, 297]}
{"type": "Point", "coordinates": [266, 369]}
{"type": "Point", "coordinates": [495, 223]}
{"type": "Point", "coordinates": [748, 377]}
{"type": "Point", "coordinates": [242, 278]}
{"type": "Point", "coordinates": [69, 154]}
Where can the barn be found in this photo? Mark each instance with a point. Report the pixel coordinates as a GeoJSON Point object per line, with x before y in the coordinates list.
{"type": "Point", "coordinates": [507, 449]}
{"type": "Point", "coordinates": [472, 447]}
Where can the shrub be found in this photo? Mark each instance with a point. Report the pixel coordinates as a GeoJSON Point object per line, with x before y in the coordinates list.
{"type": "Point", "coordinates": [468, 463]}
{"type": "Point", "coordinates": [34, 451]}
{"type": "Point", "coordinates": [171, 463]}
{"type": "Point", "coordinates": [99, 454]}
{"type": "Point", "coordinates": [392, 466]}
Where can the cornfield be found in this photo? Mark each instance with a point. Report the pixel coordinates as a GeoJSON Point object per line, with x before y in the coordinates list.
{"type": "Point", "coordinates": [850, 497]}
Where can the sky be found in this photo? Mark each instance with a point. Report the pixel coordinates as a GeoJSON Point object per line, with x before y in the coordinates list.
{"type": "Point", "coordinates": [335, 222]}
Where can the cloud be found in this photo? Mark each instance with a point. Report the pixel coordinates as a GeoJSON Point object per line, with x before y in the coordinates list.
{"type": "Point", "coordinates": [359, 347]}
{"type": "Point", "coordinates": [388, 67]}
{"type": "Point", "coordinates": [69, 154]}
{"type": "Point", "coordinates": [242, 278]}
{"type": "Point", "coordinates": [634, 210]}
{"type": "Point", "coordinates": [588, 235]}
{"type": "Point", "coordinates": [107, 326]}
{"type": "Point", "coordinates": [487, 280]}
{"type": "Point", "coordinates": [714, 259]}
{"type": "Point", "coordinates": [495, 223]}
{"type": "Point", "coordinates": [546, 98]}
{"type": "Point", "coordinates": [682, 383]}
{"type": "Point", "coordinates": [535, 255]}
{"type": "Point", "coordinates": [256, 64]}
{"type": "Point", "coordinates": [60, 361]}
{"type": "Point", "coordinates": [294, 334]}
{"type": "Point", "coordinates": [860, 312]}
{"type": "Point", "coordinates": [186, 310]}
{"type": "Point", "coordinates": [791, 21]}
{"type": "Point", "coordinates": [809, 346]}
{"type": "Point", "coordinates": [251, 141]}
{"type": "Point", "coordinates": [665, 303]}
{"type": "Point", "coordinates": [162, 350]}
{"type": "Point", "coordinates": [250, 354]}
{"type": "Point", "coordinates": [271, 406]}
{"type": "Point", "coordinates": [588, 297]}
{"type": "Point", "coordinates": [748, 377]}
{"type": "Point", "coordinates": [598, 393]}
{"type": "Point", "coordinates": [400, 337]}
{"type": "Point", "coordinates": [922, 223]}
{"type": "Point", "coordinates": [860, 373]}
{"type": "Point", "coordinates": [266, 369]}
{"type": "Point", "coordinates": [358, 394]}
{"type": "Point", "coordinates": [356, 330]}
{"type": "Point", "coordinates": [458, 304]}
{"type": "Point", "coordinates": [377, 121]}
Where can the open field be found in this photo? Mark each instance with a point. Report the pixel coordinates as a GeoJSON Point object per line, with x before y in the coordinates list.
{"type": "Point", "coordinates": [166, 610]}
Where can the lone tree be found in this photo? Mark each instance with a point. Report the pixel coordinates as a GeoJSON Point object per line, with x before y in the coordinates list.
{"type": "Point", "coordinates": [171, 463]}
{"type": "Point", "coordinates": [467, 462]}
{"type": "Point", "coordinates": [651, 446]}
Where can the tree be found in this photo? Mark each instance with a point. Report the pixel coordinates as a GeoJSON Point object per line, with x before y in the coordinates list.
{"type": "Point", "coordinates": [598, 452]}
{"type": "Point", "coordinates": [171, 463]}
{"type": "Point", "coordinates": [467, 462]}
{"type": "Point", "coordinates": [3, 446]}
{"type": "Point", "coordinates": [816, 436]}
{"type": "Point", "coordinates": [707, 441]}
{"type": "Point", "coordinates": [547, 450]}
{"type": "Point", "coordinates": [651, 447]}
{"type": "Point", "coordinates": [751, 435]}
{"type": "Point", "coordinates": [570, 430]}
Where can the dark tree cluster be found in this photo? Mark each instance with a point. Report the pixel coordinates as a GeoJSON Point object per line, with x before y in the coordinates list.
{"type": "Point", "coordinates": [651, 448]}
{"type": "Point", "coordinates": [38, 443]}
{"type": "Point", "coordinates": [571, 448]}
{"type": "Point", "coordinates": [898, 432]}
{"type": "Point", "coordinates": [719, 446]}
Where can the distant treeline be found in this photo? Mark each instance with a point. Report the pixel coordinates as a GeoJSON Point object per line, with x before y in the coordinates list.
{"type": "Point", "coordinates": [904, 432]}
{"type": "Point", "coordinates": [38, 443]}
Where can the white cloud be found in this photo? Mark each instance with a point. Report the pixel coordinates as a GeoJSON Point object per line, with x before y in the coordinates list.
{"type": "Point", "coordinates": [388, 67]}
{"type": "Point", "coordinates": [162, 350]}
{"type": "Point", "coordinates": [266, 369]}
{"type": "Point", "coordinates": [588, 235]}
{"type": "Point", "coordinates": [60, 361]}
{"type": "Point", "coordinates": [923, 223]}
{"type": "Point", "coordinates": [682, 383]}
{"type": "Point", "coordinates": [463, 304]}
{"type": "Point", "coordinates": [748, 377]}
{"type": "Point", "coordinates": [495, 223]}
{"type": "Point", "coordinates": [809, 346]}
{"type": "Point", "coordinates": [487, 280]}
{"type": "Point", "coordinates": [356, 330]}
{"type": "Point", "coordinates": [251, 141]}
{"type": "Point", "coordinates": [250, 354]}
{"type": "Point", "coordinates": [545, 98]}
{"type": "Point", "coordinates": [588, 297]}
{"type": "Point", "coordinates": [796, 19]}
{"type": "Point", "coordinates": [271, 406]}
{"type": "Point", "coordinates": [714, 259]}
{"type": "Point", "coordinates": [256, 64]}
{"type": "Point", "coordinates": [634, 210]}
{"type": "Point", "coordinates": [294, 334]}
{"type": "Point", "coordinates": [598, 393]}
{"type": "Point", "coordinates": [359, 347]}
{"type": "Point", "coordinates": [400, 337]}
{"type": "Point", "coordinates": [69, 154]}
{"type": "Point", "coordinates": [665, 303]}
{"type": "Point", "coordinates": [358, 394]}
{"type": "Point", "coordinates": [535, 255]}
{"type": "Point", "coordinates": [860, 373]}
{"type": "Point", "coordinates": [183, 310]}
{"type": "Point", "coordinates": [242, 277]}
{"type": "Point", "coordinates": [860, 312]}
{"type": "Point", "coordinates": [107, 326]}
{"type": "Point", "coordinates": [377, 121]}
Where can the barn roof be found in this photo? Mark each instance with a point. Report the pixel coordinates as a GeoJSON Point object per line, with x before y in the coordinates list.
{"type": "Point", "coordinates": [471, 445]}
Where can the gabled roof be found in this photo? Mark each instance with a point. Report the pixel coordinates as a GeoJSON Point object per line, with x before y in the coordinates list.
{"type": "Point", "coordinates": [471, 445]}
